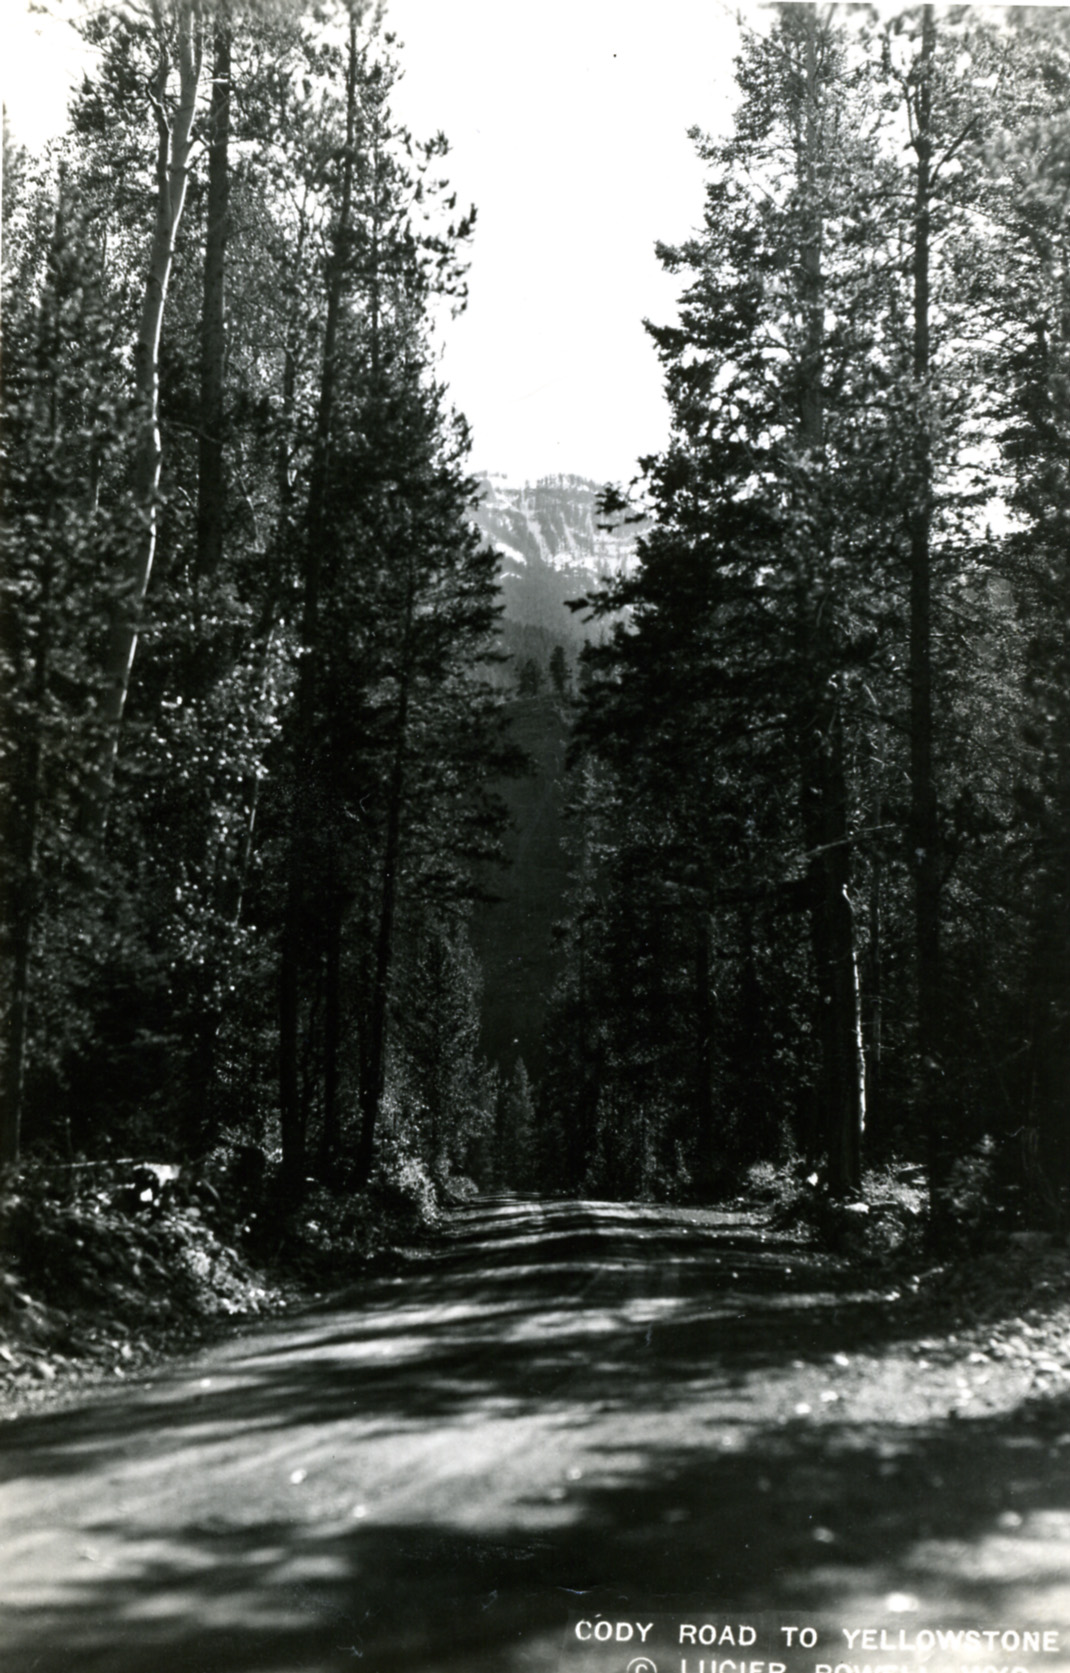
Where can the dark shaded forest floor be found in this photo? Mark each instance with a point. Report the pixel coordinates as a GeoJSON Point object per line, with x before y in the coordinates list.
{"type": "Point", "coordinates": [563, 1406]}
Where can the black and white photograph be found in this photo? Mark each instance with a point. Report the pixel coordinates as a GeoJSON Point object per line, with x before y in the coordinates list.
{"type": "Point", "coordinates": [534, 837]}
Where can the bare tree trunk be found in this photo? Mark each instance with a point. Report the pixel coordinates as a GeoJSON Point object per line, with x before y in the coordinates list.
{"type": "Point", "coordinates": [373, 1064]}
{"type": "Point", "coordinates": [211, 484]}
{"type": "Point", "coordinates": [291, 1111]}
{"type": "Point", "coordinates": [924, 828]}
{"type": "Point", "coordinates": [823, 779]}
{"type": "Point", "coordinates": [174, 142]}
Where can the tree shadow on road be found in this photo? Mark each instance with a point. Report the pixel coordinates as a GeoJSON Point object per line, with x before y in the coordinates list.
{"type": "Point", "coordinates": [973, 1517]}
{"type": "Point", "coordinates": [565, 1302]}
{"type": "Point", "coordinates": [634, 1318]}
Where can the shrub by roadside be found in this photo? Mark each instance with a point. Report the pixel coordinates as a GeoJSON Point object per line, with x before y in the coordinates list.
{"type": "Point", "coordinates": [885, 1223]}
{"type": "Point", "coordinates": [1001, 1288]}
{"type": "Point", "coordinates": [105, 1268]}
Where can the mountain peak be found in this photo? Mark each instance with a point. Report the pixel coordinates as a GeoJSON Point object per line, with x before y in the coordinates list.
{"type": "Point", "coordinates": [551, 547]}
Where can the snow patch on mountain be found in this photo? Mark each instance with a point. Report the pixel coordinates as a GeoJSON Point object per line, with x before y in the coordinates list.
{"type": "Point", "coordinates": [551, 547]}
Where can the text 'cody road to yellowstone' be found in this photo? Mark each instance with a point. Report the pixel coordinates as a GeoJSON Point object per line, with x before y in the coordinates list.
{"type": "Point", "coordinates": [654, 1642]}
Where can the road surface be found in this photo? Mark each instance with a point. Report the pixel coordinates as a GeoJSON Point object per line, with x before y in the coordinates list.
{"type": "Point", "coordinates": [567, 1412]}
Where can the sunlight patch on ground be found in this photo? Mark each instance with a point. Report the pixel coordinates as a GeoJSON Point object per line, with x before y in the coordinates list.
{"type": "Point", "coordinates": [553, 1324]}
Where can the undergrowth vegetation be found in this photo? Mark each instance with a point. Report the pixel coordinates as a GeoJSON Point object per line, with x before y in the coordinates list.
{"type": "Point", "coordinates": [106, 1266]}
{"type": "Point", "coordinates": [887, 1220]}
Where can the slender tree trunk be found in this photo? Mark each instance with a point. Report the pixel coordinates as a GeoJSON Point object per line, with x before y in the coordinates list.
{"type": "Point", "coordinates": [332, 1032]}
{"type": "Point", "coordinates": [292, 1122]}
{"type": "Point", "coordinates": [373, 1076]}
{"type": "Point", "coordinates": [174, 142]}
{"type": "Point", "coordinates": [705, 1007]}
{"type": "Point", "coordinates": [838, 1021]}
{"type": "Point", "coordinates": [211, 483]}
{"type": "Point", "coordinates": [293, 933]}
{"type": "Point", "coordinates": [211, 489]}
{"type": "Point", "coordinates": [24, 791]}
{"type": "Point", "coordinates": [823, 778]}
{"type": "Point", "coordinates": [924, 829]}
{"type": "Point", "coordinates": [875, 981]}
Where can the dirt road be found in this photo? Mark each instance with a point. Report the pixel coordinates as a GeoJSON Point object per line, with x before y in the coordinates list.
{"type": "Point", "coordinates": [569, 1409]}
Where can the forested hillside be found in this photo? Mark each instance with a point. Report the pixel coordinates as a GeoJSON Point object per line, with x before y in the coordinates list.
{"type": "Point", "coordinates": [553, 547]}
{"type": "Point", "coordinates": [285, 682]}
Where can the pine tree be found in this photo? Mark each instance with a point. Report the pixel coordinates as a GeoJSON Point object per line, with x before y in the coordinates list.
{"type": "Point", "coordinates": [1033, 369]}
{"type": "Point", "coordinates": [742, 659]}
{"type": "Point", "coordinates": [64, 436]}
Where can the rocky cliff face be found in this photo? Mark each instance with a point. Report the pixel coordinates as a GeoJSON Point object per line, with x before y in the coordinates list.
{"type": "Point", "coordinates": [551, 549]}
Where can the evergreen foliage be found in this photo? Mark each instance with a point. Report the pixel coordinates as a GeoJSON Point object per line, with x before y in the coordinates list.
{"type": "Point", "coordinates": [244, 472]}
{"type": "Point", "coordinates": [258, 711]}
{"type": "Point", "coordinates": [801, 902]}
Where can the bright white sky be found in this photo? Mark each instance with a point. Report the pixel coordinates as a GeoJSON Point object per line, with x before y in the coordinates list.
{"type": "Point", "coordinates": [568, 123]}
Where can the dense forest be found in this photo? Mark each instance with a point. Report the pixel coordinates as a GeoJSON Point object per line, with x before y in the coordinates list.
{"type": "Point", "coordinates": [820, 841]}
{"type": "Point", "coordinates": [262, 737]}
{"type": "Point", "coordinates": [248, 619]}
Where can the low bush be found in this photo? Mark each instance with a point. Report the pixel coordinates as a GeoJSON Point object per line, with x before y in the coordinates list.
{"type": "Point", "coordinates": [885, 1221]}
{"type": "Point", "coordinates": [111, 1264]}
{"type": "Point", "coordinates": [117, 1262]}
{"type": "Point", "coordinates": [403, 1195]}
